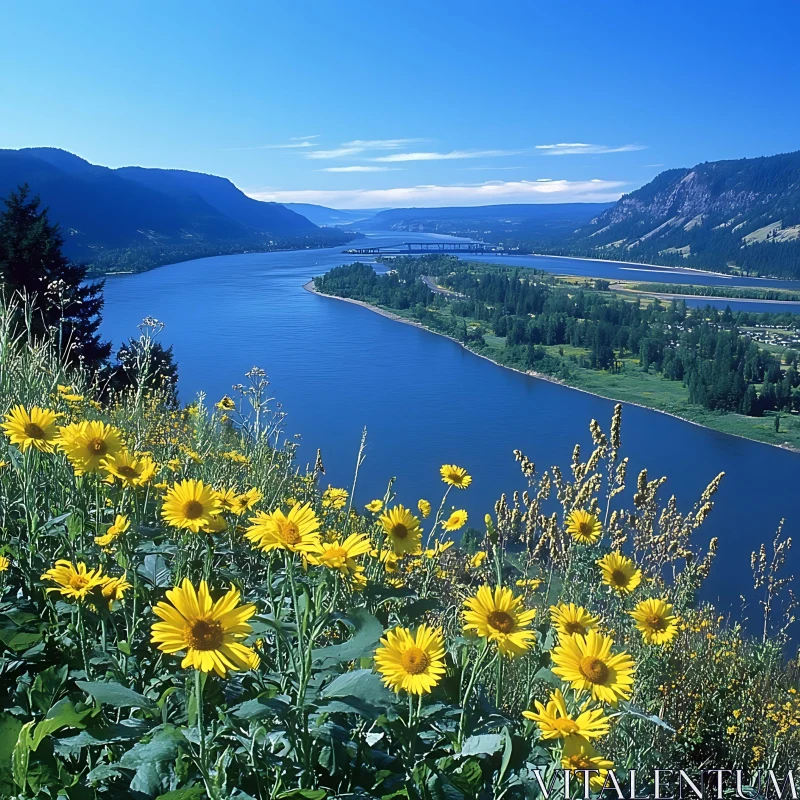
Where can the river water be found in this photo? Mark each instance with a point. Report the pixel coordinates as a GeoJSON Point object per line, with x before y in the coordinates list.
{"type": "Point", "coordinates": [336, 368]}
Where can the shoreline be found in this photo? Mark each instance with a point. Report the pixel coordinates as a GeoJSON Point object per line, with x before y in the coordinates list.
{"type": "Point", "coordinates": [622, 289]}
{"type": "Point", "coordinates": [312, 289]}
{"type": "Point", "coordinates": [641, 264]}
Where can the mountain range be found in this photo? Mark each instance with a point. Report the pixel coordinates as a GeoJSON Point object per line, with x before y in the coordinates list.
{"type": "Point", "coordinates": [736, 216]}
{"type": "Point", "coordinates": [135, 218]}
{"type": "Point", "coordinates": [522, 220]}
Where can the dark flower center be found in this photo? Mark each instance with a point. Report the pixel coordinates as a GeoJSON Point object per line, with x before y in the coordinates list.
{"type": "Point", "coordinates": [399, 531]}
{"type": "Point", "coordinates": [594, 669]}
{"type": "Point", "coordinates": [193, 510]}
{"type": "Point", "coordinates": [205, 634]}
{"type": "Point", "coordinates": [501, 621]}
{"type": "Point", "coordinates": [33, 431]}
{"type": "Point", "coordinates": [415, 660]}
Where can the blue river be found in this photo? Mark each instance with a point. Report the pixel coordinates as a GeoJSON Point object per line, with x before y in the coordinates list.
{"type": "Point", "coordinates": [337, 368]}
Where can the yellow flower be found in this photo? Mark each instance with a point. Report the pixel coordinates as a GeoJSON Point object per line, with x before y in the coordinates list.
{"type": "Point", "coordinates": [115, 588]}
{"type": "Point", "coordinates": [246, 501]}
{"type": "Point", "coordinates": [190, 504]}
{"type": "Point", "coordinates": [389, 559]}
{"type": "Point", "coordinates": [35, 428]}
{"type": "Point", "coordinates": [438, 548]}
{"type": "Point", "coordinates": [424, 508]}
{"type": "Point", "coordinates": [236, 457]}
{"type": "Point", "coordinates": [88, 444]}
{"type": "Point", "coordinates": [74, 580]}
{"type": "Point", "coordinates": [586, 662]}
{"type": "Point", "coordinates": [128, 469]}
{"type": "Point", "coordinates": [555, 722]}
{"type": "Point", "coordinates": [174, 464]}
{"type": "Point", "coordinates": [584, 527]}
{"type": "Point", "coordinates": [499, 616]}
{"type": "Point", "coordinates": [411, 662]}
{"type": "Point", "coordinates": [478, 559]}
{"type": "Point", "coordinates": [656, 621]}
{"type": "Point", "coordinates": [216, 525]}
{"type": "Point", "coordinates": [619, 572]}
{"type": "Point", "coordinates": [374, 506]}
{"type": "Point", "coordinates": [568, 618]}
{"type": "Point", "coordinates": [227, 497]}
{"type": "Point", "coordinates": [3, 463]}
{"type": "Point", "coordinates": [403, 529]}
{"type": "Point", "coordinates": [226, 404]}
{"type": "Point", "coordinates": [579, 754]}
{"type": "Point", "coordinates": [455, 476]}
{"type": "Point", "coordinates": [529, 583]}
{"type": "Point", "coordinates": [341, 555]}
{"type": "Point", "coordinates": [210, 632]}
{"type": "Point", "coordinates": [334, 498]}
{"type": "Point", "coordinates": [121, 524]}
{"type": "Point", "coordinates": [5, 563]}
{"type": "Point", "coordinates": [297, 531]}
{"type": "Point", "coordinates": [455, 521]}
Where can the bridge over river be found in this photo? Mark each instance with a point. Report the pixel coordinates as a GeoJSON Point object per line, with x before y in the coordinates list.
{"type": "Point", "coordinates": [414, 248]}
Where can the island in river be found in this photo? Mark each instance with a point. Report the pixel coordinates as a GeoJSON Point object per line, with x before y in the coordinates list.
{"type": "Point", "coordinates": [734, 372]}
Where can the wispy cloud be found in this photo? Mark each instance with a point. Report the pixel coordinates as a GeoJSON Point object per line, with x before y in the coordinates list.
{"type": "Point", "coordinates": [359, 168]}
{"type": "Point", "coordinates": [470, 194]}
{"type": "Point", "coordinates": [292, 144]}
{"type": "Point", "coordinates": [339, 152]}
{"type": "Point", "coordinates": [487, 167]}
{"type": "Point", "coordinates": [303, 138]}
{"type": "Point", "coordinates": [382, 144]}
{"type": "Point", "coordinates": [453, 154]}
{"type": "Point", "coordinates": [581, 148]}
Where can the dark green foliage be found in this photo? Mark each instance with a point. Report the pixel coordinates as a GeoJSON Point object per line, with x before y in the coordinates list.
{"type": "Point", "coordinates": [33, 266]}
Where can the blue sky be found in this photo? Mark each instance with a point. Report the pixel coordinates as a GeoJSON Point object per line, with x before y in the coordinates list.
{"type": "Point", "coordinates": [373, 104]}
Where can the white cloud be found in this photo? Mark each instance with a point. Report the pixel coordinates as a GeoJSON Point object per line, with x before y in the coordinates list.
{"type": "Point", "coordinates": [453, 154]}
{"type": "Point", "coordinates": [581, 148]}
{"type": "Point", "coordinates": [382, 144]}
{"type": "Point", "coordinates": [337, 153]}
{"type": "Point", "coordinates": [293, 144]}
{"type": "Point", "coordinates": [303, 138]}
{"type": "Point", "coordinates": [474, 194]}
{"type": "Point", "coordinates": [359, 169]}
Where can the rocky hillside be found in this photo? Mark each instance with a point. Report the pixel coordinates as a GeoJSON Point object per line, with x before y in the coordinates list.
{"type": "Point", "coordinates": [737, 216]}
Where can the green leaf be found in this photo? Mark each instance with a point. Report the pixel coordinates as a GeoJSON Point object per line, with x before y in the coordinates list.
{"type": "Point", "coordinates": [61, 715]}
{"type": "Point", "coordinates": [368, 631]}
{"type": "Point", "coordinates": [115, 694]}
{"type": "Point", "coordinates": [47, 686]}
{"type": "Point", "coordinates": [548, 676]}
{"type": "Point", "coordinates": [486, 744]}
{"type": "Point", "coordinates": [263, 707]}
{"type": "Point", "coordinates": [188, 793]}
{"type": "Point", "coordinates": [164, 746]}
{"type": "Point", "coordinates": [19, 640]}
{"type": "Point", "coordinates": [303, 794]}
{"type": "Point", "coordinates": [155, 571]}
{"type": "Point", "coordinates": [10, 728]}
{"type": "Point", "coordinates": [636, 712]}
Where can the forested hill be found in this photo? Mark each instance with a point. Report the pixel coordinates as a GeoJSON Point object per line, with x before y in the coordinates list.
{"type": "Point", "coordinates": [737, 216]}
{"type": "Point", "coordinates": [133, 219]}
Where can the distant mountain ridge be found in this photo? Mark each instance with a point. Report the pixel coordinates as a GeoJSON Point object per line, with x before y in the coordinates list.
{"type": "Point", "coordinates": [741, 215]}
{"type": "Point", "coordinates": [322, 215]}
{"type": "Point", "coordinates": [494, 222]}
{"type": "Point", "coordinates": [136, 218]}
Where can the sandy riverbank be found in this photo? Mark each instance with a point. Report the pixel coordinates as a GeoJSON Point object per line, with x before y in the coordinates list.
{"type": "Point", "coordinates": [310, 287]}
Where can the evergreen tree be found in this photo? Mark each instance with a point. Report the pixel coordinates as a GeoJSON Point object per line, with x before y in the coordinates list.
{"type": "Point", "coordinates": [33, 266]}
